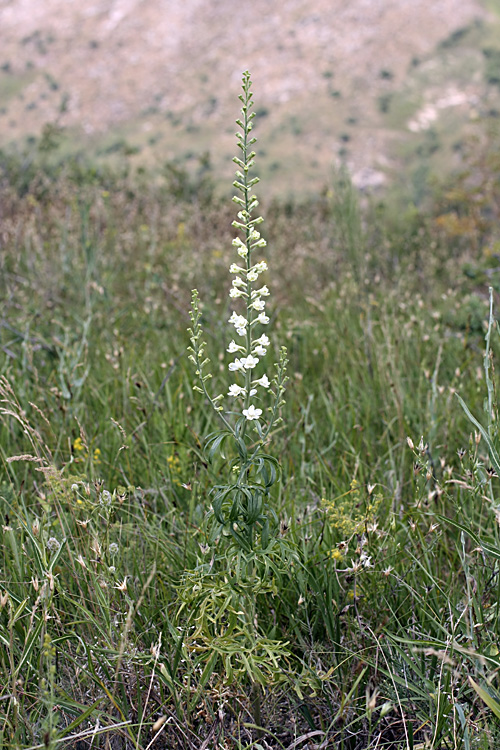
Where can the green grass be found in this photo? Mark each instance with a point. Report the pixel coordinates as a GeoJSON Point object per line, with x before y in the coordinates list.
{"type": "Point", "coordinates": [110, 625]}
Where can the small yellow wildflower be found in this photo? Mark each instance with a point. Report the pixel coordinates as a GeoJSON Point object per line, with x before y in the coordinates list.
{"type": "Point", "coordinates": [78, 445]}
{"type": "Point", "coordinates": [350, 512]}
{"type": "Point", "coordinates": [173, 463]}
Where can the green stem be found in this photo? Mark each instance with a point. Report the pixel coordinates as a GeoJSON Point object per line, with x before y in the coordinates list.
{"type": "Point", "coordinates": [248, 373]}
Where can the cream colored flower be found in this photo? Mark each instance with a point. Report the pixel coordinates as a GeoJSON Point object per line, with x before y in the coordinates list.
{"type": "Point", "coordinates": [252, 413]}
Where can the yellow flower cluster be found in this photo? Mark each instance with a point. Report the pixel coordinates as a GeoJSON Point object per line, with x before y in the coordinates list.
{"type": "Point", "coordinates": [336, 554]}
{"type": "Point", "coordinates": [174, 465]}
{"type": "Point", "coordinates": [350, 513]}
{"type": "Point", "coordinates": [79, 448]}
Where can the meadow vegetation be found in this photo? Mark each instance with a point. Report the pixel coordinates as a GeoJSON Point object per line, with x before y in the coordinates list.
{"type": "Point", "coordinates": [125, 620]}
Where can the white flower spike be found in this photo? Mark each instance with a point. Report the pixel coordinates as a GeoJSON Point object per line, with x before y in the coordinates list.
{"type": "Point", "coordinates": [249, 299]}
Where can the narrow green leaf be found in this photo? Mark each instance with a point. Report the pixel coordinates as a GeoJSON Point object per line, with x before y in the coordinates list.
{"type": "Point", "coordinates": [57, 555]}
{"type": "Point", "coordinates": [491, 701]}
{"type": "Point", "coordinates": [493, 454]}
{"type": "Point", "coordinates": [81, 718]}
{"type": "Point", "coordinates": [205, 676]}
{"type": "Point", "coordinates": [28, 647]}
{"type": "Point", "coordinates": [488, 549]}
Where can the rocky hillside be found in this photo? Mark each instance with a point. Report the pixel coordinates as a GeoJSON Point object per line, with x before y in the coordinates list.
{"type": "Point", "coordinates": [334, 79]}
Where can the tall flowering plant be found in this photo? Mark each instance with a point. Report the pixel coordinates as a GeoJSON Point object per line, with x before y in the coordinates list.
{"type": "Point", "coordinates": [250, 409]}
{"type": "Point", "coordinates": [219, 611]}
